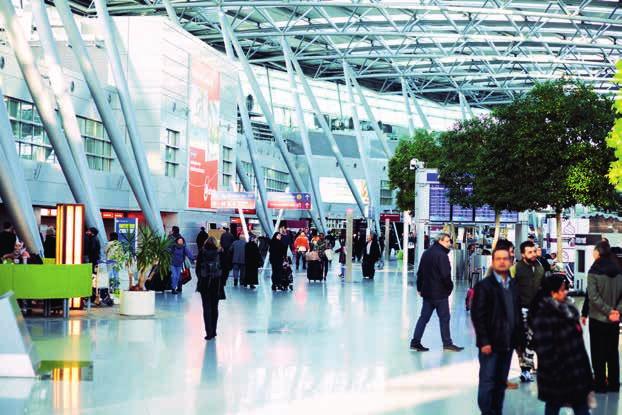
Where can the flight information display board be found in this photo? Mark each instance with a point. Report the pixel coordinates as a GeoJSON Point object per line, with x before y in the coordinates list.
{"type": "Point", "coordinates": [461, 214]}
{"type": "Point", "coordinates": [440, 209]}
{"type": "Point", "coordinates": [487, 214]}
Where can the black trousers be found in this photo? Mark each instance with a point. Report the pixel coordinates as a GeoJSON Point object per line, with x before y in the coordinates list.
{"type": "Point", "coordinates": [605, 357]}
{"type": "Point", "coordinates": [210, 313]}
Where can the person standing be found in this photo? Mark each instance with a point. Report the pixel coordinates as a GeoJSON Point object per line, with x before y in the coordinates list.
{"type": "Point", "coordinates": [175, 235]}
{"type": "Point", "coordinates": [495, 313]}
{"type": "Point", "coordinates": [7, 239]}
{"type": "Point", "coordinates": [604, 288]}
{"type": "Point", "coordinates": [322, 246]}
{"type": "Point", "coordinates": [278, 252]}
{"type": "Point", "coordinates": [434, 284]}
{"type": "Point", "coordinates": [529, 275]}
{"type": "Point", "coordinates": [49, 246]}
{"type": "Point", "coordinates": [93, 247]}
{"type": "Point", "coordinates": [564, 372]}
{"type": "Point", "coordinates": [209, 285]}
{"type": "Point", "coordinates": [226, 240]}
{"type": "Point", "coordinates": [179, 253]}
{"type": "Point", "coordinates": [301, 246]}
{"type": "Point", "coordinates": [371, 254]}
{"type": "Point", "coordinates": [238, 259]}
{"type": "Point", "coordinates": [201, 238]}
{"type": "Point", "coordinates": [252, 262]}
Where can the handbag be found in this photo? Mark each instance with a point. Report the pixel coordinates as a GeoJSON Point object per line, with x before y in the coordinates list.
{"type": "Point", "coordinates": [329, 254]}
{"type": "Point", "coordinates": [185, 275]}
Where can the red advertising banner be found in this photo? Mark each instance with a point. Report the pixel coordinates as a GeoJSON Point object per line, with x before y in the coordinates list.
{"type": "Point", "coordinates": [393, 217]}
{"type": "Point", "coordinates": [289, 201]}
{"type": "Point", "coordinates": [202, 179]}
{"type": "Point", "coordinates": [235, 200]}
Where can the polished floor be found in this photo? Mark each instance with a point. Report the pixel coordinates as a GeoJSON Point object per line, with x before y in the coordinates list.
{"type": "Point", "coordinates": [333, 348]}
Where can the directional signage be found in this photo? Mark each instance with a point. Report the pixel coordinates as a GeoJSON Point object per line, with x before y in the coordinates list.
{"type": "Point", "coordinates": [232, 200]}
{"type": "Point", "coordinates": [393, 217]}
{"type": "Point", "coordinates": [289, 201]}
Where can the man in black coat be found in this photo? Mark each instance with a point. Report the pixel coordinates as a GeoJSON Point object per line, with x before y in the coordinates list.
{"type": "Point", "coordinates": [7, 239]}
{"type": "Point", "coordinates": [434, 285]}
{"type": "Point", "coordinates": [201, 238]}
{"type": "Point", "coordinates": [496, 317]}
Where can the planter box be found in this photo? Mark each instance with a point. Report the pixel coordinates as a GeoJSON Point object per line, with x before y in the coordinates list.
{"type": "Point", "coordinates": [137, 303]}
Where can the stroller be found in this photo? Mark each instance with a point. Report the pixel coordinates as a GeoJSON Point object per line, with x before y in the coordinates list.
{"type": "Point", "coordinates": [287, 280]}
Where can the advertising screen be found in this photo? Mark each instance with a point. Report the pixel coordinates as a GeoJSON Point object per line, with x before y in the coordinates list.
{"type": "Point", "coordinates": [289, 201]}
{"type": "Point", "coordinates": [336, 190]}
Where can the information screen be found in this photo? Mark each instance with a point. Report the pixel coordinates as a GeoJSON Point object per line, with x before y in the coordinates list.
{"type": "Point", "coordinates": [440, 209]}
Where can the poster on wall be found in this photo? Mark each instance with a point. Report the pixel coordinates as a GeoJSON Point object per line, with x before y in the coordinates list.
{"type": "Point", "coordinates": [336, 190]}
{"type": "Point", "coordinates": [127, 229]}
{"type": "Point", "coordinates": [203, 133]}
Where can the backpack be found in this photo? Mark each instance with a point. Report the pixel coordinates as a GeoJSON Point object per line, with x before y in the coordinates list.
{"type": "Point", "coordinates": [210, 269]}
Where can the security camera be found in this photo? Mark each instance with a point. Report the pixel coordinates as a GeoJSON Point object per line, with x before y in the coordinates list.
{"type": "Point", "coordinates": [416, 164]}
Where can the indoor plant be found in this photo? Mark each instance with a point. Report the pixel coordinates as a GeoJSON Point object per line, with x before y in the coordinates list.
{"type": "Point", "coordinates": [151, 252]}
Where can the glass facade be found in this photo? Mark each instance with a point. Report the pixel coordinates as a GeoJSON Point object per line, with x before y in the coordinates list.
{"type": "Point", "coordinates": [171, 150]}
{"type": "Point", "coordinates": [31, 141]}
{"type": "Point", "coordinates": [386, 194]}
{"type": "Point", "coordinates": [227, 167]}
{"type": "Point", "coordinates": [276, 180]}
{"type": "Point", "coordinates": [96, 144]}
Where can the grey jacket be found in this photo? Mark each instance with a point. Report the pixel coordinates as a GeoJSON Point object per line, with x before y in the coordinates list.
{"type": "Point", "coordinates": [604, 288]}
{"type": "Point", "coordinates": [238, 249]}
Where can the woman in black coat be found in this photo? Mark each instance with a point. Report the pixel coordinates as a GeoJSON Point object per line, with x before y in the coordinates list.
{"type": "Point", "coordinates": [252, 258]}
{"type": "Point", "coordinates": [209, 285]}
{"type": "Point", "coordinates": [371, 254]}
{"type": "Point", "coordinates": [564, 372]}
{"type": "Point", "coordinates": [278, 250]}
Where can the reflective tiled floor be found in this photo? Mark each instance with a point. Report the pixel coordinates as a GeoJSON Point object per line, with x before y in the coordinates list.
{"type": "Point", "coordinates": [331, 348]}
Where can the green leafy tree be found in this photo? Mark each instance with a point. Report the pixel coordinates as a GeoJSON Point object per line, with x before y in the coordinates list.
{"type": "Point", "coordinates": [424, 146]}
{"type": "Point", "coordinates": [615, 137]}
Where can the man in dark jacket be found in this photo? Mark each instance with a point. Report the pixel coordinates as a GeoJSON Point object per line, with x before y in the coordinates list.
{"type": "Point", "coordinates": [434, 285]}
{"type": "Point", "coordinates": [93, 248]}
{"type": "Point", "coordinates": [529, 276]}
{"type": "Point", "coordinates": [226, 239]}
{"type": "Point", "coordinates": [7, 239]}
{"type": "Point", "coordinates": [495, 313]}
{"type": "Point", "coordinates": [201, 238]}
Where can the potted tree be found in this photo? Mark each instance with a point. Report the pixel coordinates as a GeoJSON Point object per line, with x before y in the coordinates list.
{"type": "Point", "coordinates": [141, 262]}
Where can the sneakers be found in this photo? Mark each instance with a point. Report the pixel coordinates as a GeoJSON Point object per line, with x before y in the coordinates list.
{"type": "Point", "coordinates": [418, 347]}
{"type": "Point", "coordinates": [453, 348]}
{"type": "Point", "coordinates": [526, 376]}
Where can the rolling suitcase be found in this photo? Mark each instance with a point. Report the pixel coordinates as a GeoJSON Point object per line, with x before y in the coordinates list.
{"type": "Point", "coordinates": [314, 271]}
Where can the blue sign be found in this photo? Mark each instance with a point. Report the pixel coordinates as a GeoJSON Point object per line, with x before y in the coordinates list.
{"type": "Point", "coordinates": [127, 229]}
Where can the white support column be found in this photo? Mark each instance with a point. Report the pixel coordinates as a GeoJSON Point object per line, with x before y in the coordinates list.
{"type": "Point", "coordinates": [68, 116]}
{"type": "Point", "coordinates": [170, 11]}
{"type": "Point", "coordinates": [105, 111]}
{"type": "Point", "coordinates": [265, 222]}
{"type": "Point", "coordinates": [289, 55]}
{"type": "Point", "coordinates": [306, 145]}
{"type": "Point", "coordinates": [405, 234]}
{"type": "Point", "coordinates": [370, 115]}
{"type": "Point", "coordinates": [422, 115]}
{"type": "Point", "coordinates": [129, 111]}
{"type": "Point", "coordinates": [349, 235]}
{"type": "Point", "coordinates": [243, 223]}
{"type": "Point", "coordinates": [265, 108]}
{"type": "Point", "coordinates": [361, 149]}
{"type": "Point", "coordinates": [387, 240]}
{"type": "Point", "coordinates": [465, 108]}
{"type": "Point", "coordinates": [409, 113]}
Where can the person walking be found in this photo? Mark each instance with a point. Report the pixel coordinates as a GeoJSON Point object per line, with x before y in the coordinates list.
{"type": "Point", "coordinates": [342, 251]}
{"type": "Point", "coordinates": [434, 284]}
{"type": "Point", "coordinates": [179, 253]}
{"type": "Point", "coordinates": [301, 246]}
{"type": "Point", "coordinates": [238, 259]}
{"type": "Point", "coordinates": [226, 240]}
{"type": "Point", "coordinates": [209, 284]}
{"type": "Point", "coordinates": [371, 254]}
{"type": "Point", "coordinates": [495, 313]}
{"type": "Point", "coordinates": [324, 250]}
{"type": "Point", "coordinates": [604, 287]}
{"type": "Point", "coordinates": [175, 235]}
{"type": "Point", "coordinates": [564, 372]}
{"type": "Point", "coordinates": [278, 251]}
{"type": "Point", "coordinates": [201, 238]}
{"type": "Point", "coordinates": [529, 275]}
{"type": "Point", "coordinates": [252, 261]}
{"type": "Point", "coordinates": [92, 247]}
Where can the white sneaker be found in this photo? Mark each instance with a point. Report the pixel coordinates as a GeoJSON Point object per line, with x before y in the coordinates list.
{"type": "Point", "coordinates": [526, 377]}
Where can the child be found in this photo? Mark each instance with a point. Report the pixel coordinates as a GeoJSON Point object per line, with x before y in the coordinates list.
{"type": "Point", "coordinates": [342, 258]}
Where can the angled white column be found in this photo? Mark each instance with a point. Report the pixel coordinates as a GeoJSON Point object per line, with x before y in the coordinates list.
{"type": "Point", "coordinates": [465, 108]}
{"type": "Point", "coordinates": [246, 184]}
{"type": "Point", "coordinates": [13, 187]}
{"type": "Point", "coordinates": [45, 107]}
{"type": "Point", "coordinates": [409, 113]}
{"type": "Point", "coordinates": [289, 55]}
{"type": "Point", "coordinates": [250, 140]}
{"type": "Point", "coordinates": [306, 145]}
{"type": "Point", "coordinates": [361, 148]}
{"type": "Point", "coordinates": [170, 10]}
{"type": "Point", "coordinates": [67, 115]}
{"type": "Point", "coordinates": [265, 108]}
{"type": "Point", "coordinates": [105, 111]}
{"type": "Point", "coordinates": [370, 115]}
{"type": "Point", "coordinates": [129, 112]}
{"type": "Point", "coordinates": [422, 116]}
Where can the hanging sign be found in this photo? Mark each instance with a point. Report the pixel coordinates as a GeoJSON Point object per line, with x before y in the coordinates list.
{"type": "Point", "coordinates": [232, 200]}
{"type": "Point", "coordinates": [289, 201]}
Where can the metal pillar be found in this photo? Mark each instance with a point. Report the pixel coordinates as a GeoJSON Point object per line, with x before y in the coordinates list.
{"type": "Point", "coordinates": [170, 10]}
{"type": "Point", "coordinates": [409, 113]}
{"type": "Point", "coordinates": [289, 55]}
{"type": "Point", "coordinates": [250, 139]}
{"type": "Point", "coordinates": [422, 116]}
{"type": "Point", "coordinates": [278, 137]}
{"type": "Point", "coordinates": [68, 117]}
{"type": "Point", "coordinates": [465, 108]}
{"type": "Point", "coordinates": [129, 112]}
{"type": "Point", "coordinates": [361, 148]}
{"type": "Point", "coordinates": [13, 187]}
{"type": "Point", "coordinates": [306, 145]}
{"type": "Point", "coordinates": [108, 118]}
{"type": "Point", "coordinates": [405, 235]}
{"type": "Point", "coordinates": [370, 115]}
{"type": "Point", "coordinates": [387, 240]}
{"type": "Point", "coordinates": [349, 235]}
{"type": "Point", "coordinates": [265, 223]}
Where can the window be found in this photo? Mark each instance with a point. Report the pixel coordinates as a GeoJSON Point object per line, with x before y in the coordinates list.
{"type": "Point", "coordinates": [227, 167]}
{"type": "Point", "coordinates": [170, 153]}
{"type": "Point", "coordinates": [97, 146]}
{"type": "Point", "coordinates": [31, 141]}
{"type": "Point", "coordinates": [276, 181]}
{"type": "Point", "coordinates": [386, 194]}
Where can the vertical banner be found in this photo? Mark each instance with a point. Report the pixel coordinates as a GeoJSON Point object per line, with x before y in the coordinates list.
{"type": "Point", "coordinates": [127, 229]}
{"type": "Point", "coordinates": [203, 133]}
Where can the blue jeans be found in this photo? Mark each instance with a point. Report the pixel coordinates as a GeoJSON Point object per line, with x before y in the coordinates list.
{"type": "Point", "coordinates": [175, 276]}
{"type": "Point", "coordinates": [493, 376]}
{"type": "Point", "coordinates": [442, 311]}
{"type": "Point", "coordinates": [239, 271]}
{"type": "Point", "coordinates": [553, 409]}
